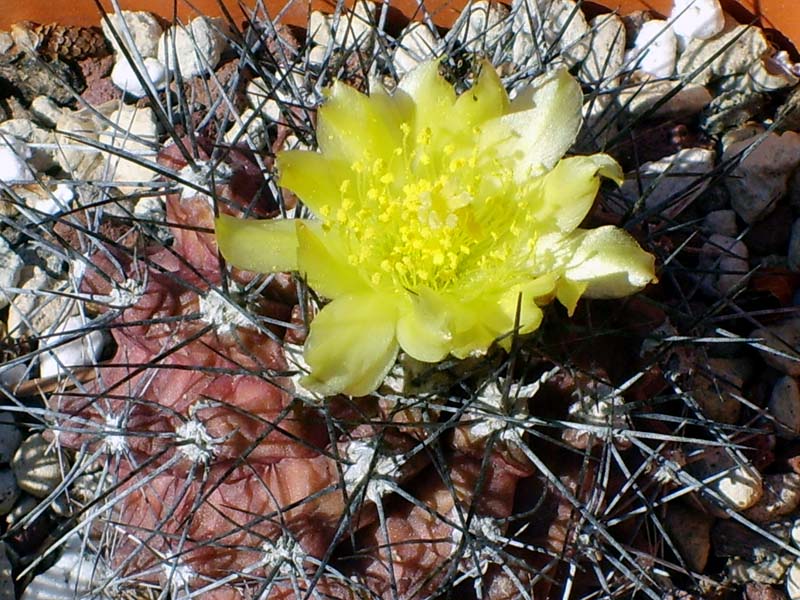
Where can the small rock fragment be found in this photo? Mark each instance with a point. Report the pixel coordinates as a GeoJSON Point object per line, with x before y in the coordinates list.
{"type": "Point", "coordinates": [414, 45]}
{"type": "Point", "coordinates": [482, 27]}
{"type": "Point", "coordinates": [780, 347]}
{"type": "Point", "coordinates": [722, 222]}
{"type": "Point", "coordinates": [131, 131]}
{"type": "Point", "coordinates": [606, 55]}
{"type": "Point", "coordinates": [10, 436]}
{"type": "Point", "coordinates": [736, 483]}
{"type": "Point", "coordinates": [761, 177]}
{"type": "Point", "coordinates": [6, 575]}
{"type": "Point", "coordinates": [793, 581]}
{"type": "Point", "coordinates": [142, 27]}
{"type": "Point", "coordinates": [193, 50]}
{"type": "Point", "coordinates": [696, 19]}
{"type": "Point", "coordinates": [781, 497]}
{"type": "Point", "coordinates": [10, 270]}
{"type": "Point", "coordinates": [9, 491]}
{"type": "Point", "coordinates": [548, 27]}
{"type": "Point", "coordinates": [74, 575]}
{"type": "Point", "coordinates": [352, 31]}
{"type": "Point", "coordinates": [690, 531]}
{"type": "Point", "coordinates": [654, 49]}
{"type": "Point", "coordinates": [726, 262]}
{"type": "Point", "coordinates": [670, 184]}
{"type": "Point", "coordinates": [81, 349]}
{"type": "Point", "coordinates": [36, 466]}
{"type": "Point", "coordinates": [251, 131]}
{"type": "Point", "coordinates": [793, 253]}
{"type": "Point", "coordinates": [784, 406]}
{"type": "Point", "coordinates": [124, 76]}
{"type": "Point", "coordinates": [14, 157]}
{"type": "Point", "coordinates": [642, 96]}
{"type": "Point", "coordinates": [46, 111]}
{"type": "Point", "coordinates": [715, 387]}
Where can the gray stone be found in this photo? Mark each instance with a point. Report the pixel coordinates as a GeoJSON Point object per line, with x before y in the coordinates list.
{"type": "Point", "coordinates": [73, 576]}
{"type": "Point", "coordinates": [784, 406]}
{"type": "Point", "coordinates": [9, 491]}
{"type": "Point", "coordinates": [761, 177]}
{"type": "Point", "coordinates": [722, 222]}
{"type": "Point", "coordinates": [670, 184]}
{"type": "Point", "coordinates": [781, 346]}
{"type": "Point", "coordinates": [726, 262]}
{"type": "Point", "coordinates": [6, 574]}
{"type": "Point", "coordinates": [36, 466]}
{"type": "Point", "coordinates": [10, 437]}
{"type": "Point", "coordinates": [67, 348]}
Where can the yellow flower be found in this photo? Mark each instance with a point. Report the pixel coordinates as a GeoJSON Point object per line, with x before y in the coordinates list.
{"type": "Point", "coordinates": [436, 214]}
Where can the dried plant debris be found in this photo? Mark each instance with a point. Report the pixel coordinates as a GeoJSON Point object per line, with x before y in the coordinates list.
{"type": "Point", "coordinates": [156, 436]}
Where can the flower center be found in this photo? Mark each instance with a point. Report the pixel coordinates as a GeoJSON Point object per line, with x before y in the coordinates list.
{"type": "Point", "coordinates": [431, 217]}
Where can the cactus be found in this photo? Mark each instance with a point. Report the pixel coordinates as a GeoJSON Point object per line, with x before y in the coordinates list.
{"type": "Point", "coordinates": [571, 462]}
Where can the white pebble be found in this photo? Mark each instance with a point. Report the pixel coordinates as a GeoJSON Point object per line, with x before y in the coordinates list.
{"type": "Point", "coordinates": [10, 270]}
{"type": "Point", "coordinates": [124, 76]}
{"type": "Point", "coordinates": [195, 50]}
{"type": "Point", "coordinates": [793, 581]}
{"type": "Point", "coordinates": [74, 575]}
{"type": "Point", "coordinates": [36, 466]}
{"type": "Point", "coordinates": [143, 27]}
{"type": "Point", "coordinates": [14, 157]}
{"type": "Point", "coordinates": [696, 19]}
{"type": "Point", "coordinates": [416, 43]}
{"type": "Point", "coordinates": [655, 49]}
{"type": "Point", "coordinates": [57, 201]}
{"type": "Point", "coordinates": [85, 349]}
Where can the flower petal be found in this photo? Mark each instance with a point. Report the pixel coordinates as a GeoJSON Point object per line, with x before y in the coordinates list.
{"type": "Point", "coordinates": [610, 262]}
{"type": "Point", "coordinates": [352, 125]}
{"type": "Point", "coordinates": [316, 179]}
{"type": "Point", "coordinates": [351, 345]}
{"type": "Point", "coordinates": [433, 98]}
{"type": "Point", "coordinates": [422, 329]}
{"type": "Point", "coordinates": [542, 125]}
{"type": "Point", "coordinates": [570, 188]}
{"type": "Point", "coordinates": [485, 100]}
{"type": "Point", "coordinates": [321, 259]}
{"type": "Point", "coordinates": [264, 246]}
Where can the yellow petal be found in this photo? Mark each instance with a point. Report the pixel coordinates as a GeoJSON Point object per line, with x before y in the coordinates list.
{"type": "Point", "coordinates": [422, 328]}
{"type": "Point", "coordinates": [610, 262]}
{"type": "Point", "coordinates": [569, 292]}
{"type": "Point", "coordinates": [264, 246]}
{"type": "Point", "coordinates": [315, 179]}
{"type": "Point", "coordinates": [351, 124]}
{"type": "Point", "coordinates": [351, 345]}
{"type": "Point", "coordinates": [321, 259]}
{"type": "Point", "coordinates": [570, 188]}
{"type": "Point", "coordinates": [530, 315]}
{"type": "Point", "coordinates": [485, 100]}
{"type": "Point", "coordinates": [542, 126]}
{"type": "Point", "coordinates": [432, 95]}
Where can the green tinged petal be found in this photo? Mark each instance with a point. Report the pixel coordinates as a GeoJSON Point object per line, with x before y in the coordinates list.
{"type": "Point", "coordinates": [322, 261]}
{"type": "Point", "coordinates": [264, 246]}
{"type": "Point", "coordinates": [315, 179]}
{"type": "Point", "coordinates": [610, 262]}
{"type": "Point", "coordinates": [351, 345]}
{"type": "Point", "coordinates": [570, 188]}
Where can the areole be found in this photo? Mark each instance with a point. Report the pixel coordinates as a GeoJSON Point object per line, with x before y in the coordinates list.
{"type": "Point", "coordinates": [781, 16]}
